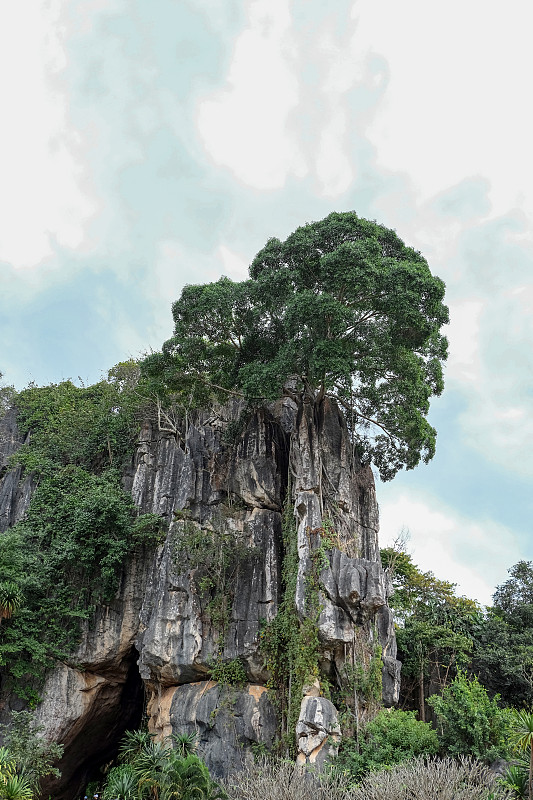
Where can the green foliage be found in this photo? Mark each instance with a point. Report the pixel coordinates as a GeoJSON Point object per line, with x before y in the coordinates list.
{"type": "Point", "coordinates": [229, 673]}
{"type": "Point", "coordinates": [7, 764]}
{"type": "Point", "coordinates": [165, 770]}
{"type": "Point", "coordinates": [516, 778]}
{"type": "Point", "coordinates": [288, 644]}
{"type": "Point", "coordinates": [521, 737]}
{"type": "Point", "coordinates": [10, 599]}
{"type": "Point", "coordinates": [393, 736]}
{"type": "Point", "coordinates": [431, 649]}
{"type": "Point", "coordinates": [469, 721]}
{"type": "Point", "coordinates": [184, 743]}
{"type": "Point", "coordinates": [516, 594]}
{"type": "Point", "coordinates": [93, 427]}
{"type": "Point", "coordinates": [345, 307]}
{"type": "Point", "coordinates": [503, 647]}
{"type": "Point", "coordinates": [366, 679]}
{"type": "Point", "coordinates": [32, 756]}
{"type": "Point", "coordinates": [436, 628]}
{"type": "Point", "coordinates": [66, 556]}
{"type": "Point", "coordinates": [121, 783]}
{"type": "Point", "coordinates": [413, 589]}
{"type": "Point", "coordinates": [16, 787]}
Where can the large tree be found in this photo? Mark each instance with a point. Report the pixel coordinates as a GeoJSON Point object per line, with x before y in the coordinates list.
{"type": "Point", "coordinates": [503, 651]}
{"type": "Point", "coordinates": [343, 306]}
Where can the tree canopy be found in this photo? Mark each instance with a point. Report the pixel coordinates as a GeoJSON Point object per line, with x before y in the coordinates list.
{"type": "Point", "coordinates": [343, 306]}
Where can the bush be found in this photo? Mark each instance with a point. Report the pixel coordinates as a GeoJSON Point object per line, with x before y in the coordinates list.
{"type": "Point", "coordinates": [390, 738]}
{"type": "Point", "coordinates": [165, 770]}
{"type": "Point", "coordinates": [284, 780]}
{"type": "Point", "coordinates": [422, 779]}
{"type": "Point", "coordinates": [418, 779]}
{"type": "Point", "coordinates": [27, 754]}
{"type": "Point", "coordinates": [470, 722]}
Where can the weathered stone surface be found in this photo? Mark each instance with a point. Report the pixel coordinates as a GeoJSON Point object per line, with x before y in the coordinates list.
{"type": "Point", "coordinates": [88, 712]}
{"type": "Point", "coordinates": [391, 666]}
{"type": "Point", "coordinates": [15, 490]}
{"type": "Point", "coordinates": [179, 642]}
{"type": "Point", "coordinates": [318, 731]}
{"type": "Point", "coordinates": [227, 720]}
{"type": "Point", "coordinates": [391, 680]}
{"type": "Point", "coordinates": [161, 616]}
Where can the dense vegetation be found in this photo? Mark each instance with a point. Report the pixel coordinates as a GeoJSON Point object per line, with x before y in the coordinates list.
{"type": "Point", "coordinates": [25, 758]}
{"type": "Point", "coordinates": [343, 307]}
{"type": "Point", "coordinates": [66, 556]}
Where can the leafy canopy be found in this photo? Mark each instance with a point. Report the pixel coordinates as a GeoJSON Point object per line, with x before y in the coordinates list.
{"type": "Point", "coordinates": [503, 654]}
{"type": "Point", "coordinates": [65, 557]}
{"type": "Point", "coordinates": [469, 721]}
{"type": "Point", "coordinates": [392, 737]}
{"type": "Point", "coordinates": [343, 306]}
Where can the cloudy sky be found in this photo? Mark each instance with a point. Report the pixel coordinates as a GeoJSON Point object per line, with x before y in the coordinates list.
{"type": "Point", "coordinates": [146, 145]}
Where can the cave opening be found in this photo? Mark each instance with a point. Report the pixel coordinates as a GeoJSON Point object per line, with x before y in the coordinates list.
{"type": "Point", "coordinates": [118, 706]}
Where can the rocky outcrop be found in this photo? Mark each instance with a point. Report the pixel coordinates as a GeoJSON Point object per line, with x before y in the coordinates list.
{"type": "Point", "coordinates": [194, 608]}
{"type": "Point", "coordinates": [318, 731]}
{"type": "Point", "coordinates": [15, 489]}
{"type": "Point", "coordinates": [228, 721]}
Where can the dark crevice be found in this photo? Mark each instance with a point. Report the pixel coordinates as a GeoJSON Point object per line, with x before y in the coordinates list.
{"type": "Point", "coordinates": [119, 707]}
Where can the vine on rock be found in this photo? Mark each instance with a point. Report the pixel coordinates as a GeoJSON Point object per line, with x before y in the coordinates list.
{"type": "Point", "coordinates": [290, 645]}
{"type": "Point", "coordinates": [65, 557]}
{"type": "Point", "coordinates": [213, 557]}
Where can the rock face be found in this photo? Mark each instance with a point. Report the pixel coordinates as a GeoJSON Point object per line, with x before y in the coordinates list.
{"type": "Point", "coordinates": [318, 731]}
{"type": "Point", "coordinates": [15, 491]}
{"type": "Point", "coordinates": [184, 628]}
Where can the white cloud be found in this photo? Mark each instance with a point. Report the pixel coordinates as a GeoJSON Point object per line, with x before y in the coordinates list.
{"type": "Point", "coordinates": [244, 126]}
{"type": "Point", "coordinates": [491, 364]}
{"type": "Point", "coordinates": [42, 194]}
{"type": "Point", "coordinates": [464, 362]}
{"type": "Point", "coordinates": [455, 104]}
{"type": "Point", "coordinates": [235, 264]}
{"type": "Point", "coordinates": [475, 554]}
{"type": "Point", "coordinates": [174, 266]}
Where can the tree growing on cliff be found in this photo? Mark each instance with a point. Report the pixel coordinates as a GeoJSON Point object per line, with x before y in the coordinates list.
{"type": "Point", "coordinates": [345, 308]}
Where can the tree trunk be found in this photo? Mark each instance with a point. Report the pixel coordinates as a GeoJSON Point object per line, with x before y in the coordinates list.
{"type": "Point", "coordinates": [421, 698]}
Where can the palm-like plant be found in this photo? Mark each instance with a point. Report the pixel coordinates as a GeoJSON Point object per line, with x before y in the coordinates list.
{"type": "Point", "coordinates": [522, 738]}
{"type": "Point", "coordinates": [184, 743]}
{"type": "Point", "coordinates": [133, 743]}
{"type": "Point", "coordinates": [150, 767]}
{"type": "Point", "coordinates": [188, 779]}
{"type": "Point", "coordinates": [16, 787]}
{"type": "Point", "coordinates": [7, 764]}
{"type": "Point", "coordinates": [516, 778]}
{"type": "Point", "coordinates": [10, 599]}
{"type": "Point", "coordinates": [157, 771]}
{"type": "Point", "coordinates": [121, 783]}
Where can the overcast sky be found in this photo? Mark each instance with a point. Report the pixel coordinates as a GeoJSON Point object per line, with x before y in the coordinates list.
{"type": "Point", "coordinates": [146, 145]}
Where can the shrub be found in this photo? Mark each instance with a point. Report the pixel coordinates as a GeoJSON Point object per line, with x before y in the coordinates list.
{"type": "Point", "coordinates": [469, 721]}
{"type": "Point", "coordinates": [390, 738]}
{"type": "Point", "coordinates": [285, 780]}
{"type": "Point", "coordinates": [422, 779]}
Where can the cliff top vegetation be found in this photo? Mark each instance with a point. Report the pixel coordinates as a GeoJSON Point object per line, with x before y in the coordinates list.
{"type": "Point", "coordinates": [344, 307]}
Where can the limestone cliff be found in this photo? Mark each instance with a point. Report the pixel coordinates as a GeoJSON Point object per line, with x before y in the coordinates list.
{"type": "Point", "coordinates": [172, 629]}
